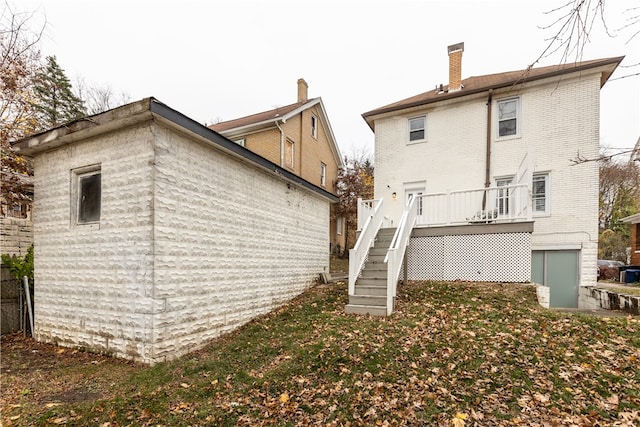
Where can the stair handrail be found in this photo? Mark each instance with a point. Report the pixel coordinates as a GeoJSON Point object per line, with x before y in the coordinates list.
{"type": "Point", "coordinates": [358, 254]}
{"type": "Point", "coordinates": [397, 250]}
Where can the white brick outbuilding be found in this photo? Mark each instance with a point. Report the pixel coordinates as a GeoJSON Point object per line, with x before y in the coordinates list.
{"type": "Point", "coordinates": [189, 236]}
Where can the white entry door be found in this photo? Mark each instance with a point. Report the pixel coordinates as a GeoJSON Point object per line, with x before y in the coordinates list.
{"type": "Point", "coordinates": [415, 192]}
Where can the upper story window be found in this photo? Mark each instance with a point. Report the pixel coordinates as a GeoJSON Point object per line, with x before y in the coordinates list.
{"type": "Point", "coordinates": [88, 194]}
{"type": "Point", "coordinates": [508, 117]}
{"type": "Point", "coordinates": [417, 128]}
{"type": "Point", "coordinates": [323, 174]}
{"type": "Point", "coordinates": [314, 126]}
{"type": "Point", "coordinates": [540, 193]}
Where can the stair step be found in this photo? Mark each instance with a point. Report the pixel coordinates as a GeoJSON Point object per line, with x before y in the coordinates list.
{"type": "Point", "coordinates": [372, 300]}
{"type": "Point", "coordinates": [378, 252]}
{"type": "Point", "coordinates": [375, 257]}
{"type": "Point", "coordinates": [371, 290]}
{"type": "Point", "coordinates": [366, 309]}
{"type": "Point", "coordinates": [371, 281]}
{"type": "Point", "coordinates": [373, 274]}
{"type": "Point", "coordinates": [375, 266]}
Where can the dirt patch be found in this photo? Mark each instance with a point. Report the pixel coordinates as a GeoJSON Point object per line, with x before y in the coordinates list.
{"type": "Point", "coordinates": [37, 376]}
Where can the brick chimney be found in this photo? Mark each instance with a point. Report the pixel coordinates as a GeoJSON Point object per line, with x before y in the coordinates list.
{"type": "Point", "coordinates": [455, 66]}
{"type": "Point", "coordinates": [302, 90]}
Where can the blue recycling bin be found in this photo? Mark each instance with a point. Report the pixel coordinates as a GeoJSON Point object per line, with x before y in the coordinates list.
{"type": "Point", "coordinates": [632, 275]}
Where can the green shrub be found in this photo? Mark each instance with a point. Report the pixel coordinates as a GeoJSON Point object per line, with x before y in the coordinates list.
{"type": "Point", "coordinates": [20, 266]}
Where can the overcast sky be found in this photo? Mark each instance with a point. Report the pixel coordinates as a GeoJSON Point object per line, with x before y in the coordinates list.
{"type": "Point", "coordinates": [219, 60]}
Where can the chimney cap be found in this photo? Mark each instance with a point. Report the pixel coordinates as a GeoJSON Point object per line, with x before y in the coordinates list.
{"type": "Point", "coordinates": [455, 47]}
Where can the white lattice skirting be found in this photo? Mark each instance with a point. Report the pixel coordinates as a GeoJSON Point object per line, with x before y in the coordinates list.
{"type": "Point", "coordinates": [499, 257]}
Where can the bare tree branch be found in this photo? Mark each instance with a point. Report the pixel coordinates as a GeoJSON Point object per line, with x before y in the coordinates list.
{"type": "Point", "coordinates": [574, 24]}
{"type": "Point", "coordinates": [604, 157]}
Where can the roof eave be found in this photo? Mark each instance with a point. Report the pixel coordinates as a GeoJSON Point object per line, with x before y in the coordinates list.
{"type": "Point", "coordinates": [632, 219]}
{"type": "Point", "coordinates": [152, 109]}
{"type": "Point", "coordinates": [613, 63]}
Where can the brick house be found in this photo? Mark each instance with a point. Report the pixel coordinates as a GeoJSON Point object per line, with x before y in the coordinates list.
{"type": "Point", "coordinates": [634, 220]}
{"type": "Point", "coordinates": [297, 137]}
{"type": "Point", "coordinates": [486, 161]}
{"type": "Point", "coordinates": [155, 234]}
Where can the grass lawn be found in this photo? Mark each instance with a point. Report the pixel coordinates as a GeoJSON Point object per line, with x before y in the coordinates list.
{"type": "Point", "coordinates": [632, 289]}
{"type": "Point", "coordinates": [452, 354]}
{"type": "Point", "coordinates": [339, 264]}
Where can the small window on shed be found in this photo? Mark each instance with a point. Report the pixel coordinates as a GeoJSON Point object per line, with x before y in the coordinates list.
{"type": "Point", "coordinates": [88, 193]}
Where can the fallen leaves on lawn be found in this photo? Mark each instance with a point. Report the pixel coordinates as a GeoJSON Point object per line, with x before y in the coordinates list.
{"type": "Point", "coordinates": [456, 354]}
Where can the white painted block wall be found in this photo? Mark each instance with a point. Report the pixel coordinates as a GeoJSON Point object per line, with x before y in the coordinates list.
{"type": "Point", "coordinates": [191, 243]}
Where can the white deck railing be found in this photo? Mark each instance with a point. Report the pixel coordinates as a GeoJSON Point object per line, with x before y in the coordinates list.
{"type": "Point", "coordinates": [370, 214]}
{"type": "Point", "coordinates": [397, 249]}
{"type": "Point", "coordinates": [507, 203]}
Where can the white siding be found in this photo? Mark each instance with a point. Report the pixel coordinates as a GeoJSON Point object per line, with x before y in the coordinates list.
{"type": "Point", "coordinates": [191, 243]}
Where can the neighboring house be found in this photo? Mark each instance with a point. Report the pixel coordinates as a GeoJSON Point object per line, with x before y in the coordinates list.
{"type": "Point", "coordinates": [16, 236]}
{"type": "Point", "coordinates": [488, 161]}
{"type": "Point", "coordinates": [154, 234]}
{"type": "Point", "coordinates": [298, 138]}
{"type": "Point", "coordinates": [634, 220]}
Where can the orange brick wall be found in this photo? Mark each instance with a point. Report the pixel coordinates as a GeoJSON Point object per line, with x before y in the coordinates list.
{"type": "Point", "coordinates": [266, 144]}
{"type": "Point", "coordinates": [315, 151]}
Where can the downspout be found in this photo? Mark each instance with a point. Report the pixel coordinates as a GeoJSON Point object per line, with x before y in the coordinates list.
{"type": "Point", "coordinates": [487, 172]}
{"type": "Point", "coordinates": [281, 144]}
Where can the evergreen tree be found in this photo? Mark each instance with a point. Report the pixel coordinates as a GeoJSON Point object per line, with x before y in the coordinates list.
{"type": "Point", "coordinates": [55, 101]}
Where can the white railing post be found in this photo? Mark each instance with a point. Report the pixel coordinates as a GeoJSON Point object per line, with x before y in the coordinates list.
{"type": "Point", "coordinates": [397, 250]}
{"type": "Point", "coordinates": [368, 230]}
{"type": "Point", "coordinates": [465, 206]}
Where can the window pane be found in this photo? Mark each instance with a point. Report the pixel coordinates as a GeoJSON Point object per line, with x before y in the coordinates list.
{"type": "Point", "coordinates": [416, 128]}
{"type": "Point", "coordinates": [502, 196]}
{"type": "Point", "coordinates": [416, 135]}
{"type": "Point", "coordinates": [539, 193]}
{"type": "Point", "coordinates": [508, 117]}
{"type": "Point", "coordinates": [507, 109]}
{"type": "Point", "coordinates": [89, 195]}
{"type": "Point", "coordinates": [507, 127]}
{"type": "Point", "coordinates": [416, 124]}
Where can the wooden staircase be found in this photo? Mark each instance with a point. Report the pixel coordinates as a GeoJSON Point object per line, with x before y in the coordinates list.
{"type": "Point", "coordinates": [371, 287]}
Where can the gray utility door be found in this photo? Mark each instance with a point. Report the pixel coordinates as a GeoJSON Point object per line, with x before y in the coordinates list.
{"type": "Point", "coordinates": [559, 271]}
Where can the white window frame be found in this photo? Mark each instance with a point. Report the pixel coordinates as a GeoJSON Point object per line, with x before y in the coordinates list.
{"type": "Point", "coordinates": [423, 129]}
{"type": "Point", "coordinates": [291, 162]}
{"type": "Point", "coordinates": [547, 191]}
{"type": "Point", "coordinates": [314, 126]}
{"type": "Point", "coordinates": [323, 174]}
{"type": "Point", "coordinates": [77, 176]}
{"type": "Point", "coordinates": [339, 226]}
{"type": "Point", "coordinates": [518, 118]}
